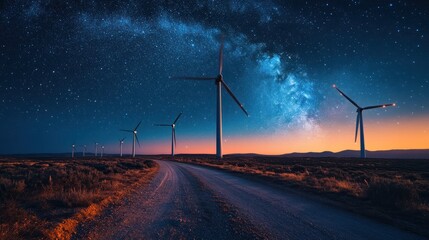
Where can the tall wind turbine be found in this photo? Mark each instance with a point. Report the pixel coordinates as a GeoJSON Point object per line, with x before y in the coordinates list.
{"type": "Point", "coordinates": [73, 150]}
{"type": "Point", "coordinates": [121, 142]}
{"type": "Point", "coordinates": [359, 119]}
{"type": "Point", "coordinates": [173, 133]}
{"type": "Point", "coordinates": [219, 83]}
{"type": "Point", "coordinates": [135, 138]}
{"type": "Point", "coordinates": [96, 148]}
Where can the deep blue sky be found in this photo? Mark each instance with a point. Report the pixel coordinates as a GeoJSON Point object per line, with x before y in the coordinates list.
{"type": "Point", "coordinates": [77, 71]}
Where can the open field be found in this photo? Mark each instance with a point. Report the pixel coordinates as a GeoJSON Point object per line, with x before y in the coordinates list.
{"type": "Point", "coordinates": [393, 191]}
{"type": "Point", "coordinates": [47, 197]}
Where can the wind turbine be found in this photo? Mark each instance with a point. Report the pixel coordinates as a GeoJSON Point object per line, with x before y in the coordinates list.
{"type": "Point", "coordinates": [73, 150]}
{"type": "Point", "coordinates": [121, 142]}
{"type": "Point", "coordinates": [219, 83]}
{"type": "Point", "coordinates": [96, 148]}
{"type": "Point", "coordinates": [173, 133]}
{"type": "Point", "coordinates": [135, 138]}
{"type": "Point", "coordinates": [102, 151]}
{"type": "Point", "coordinates": [84, 150]}
{"type": "Point", "coordinates": [359, 119]}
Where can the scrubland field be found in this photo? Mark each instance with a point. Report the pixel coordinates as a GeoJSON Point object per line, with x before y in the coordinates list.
{"type": "Point", "coordinates": [392, 190]}
{"type": "Point", "coordinates": [46, 198]}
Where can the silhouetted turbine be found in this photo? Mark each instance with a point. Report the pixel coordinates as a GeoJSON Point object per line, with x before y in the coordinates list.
{"type": "Point", "coordinates": [96, 148]}
{"type": "Point", "coordinates": [359, 119]}
{"type": "Point", "coordinates": [73, 150]}
{"type": "Point", "coordinates": [173, 133]}
{"type": "Point", "coordinates": [121, 142]}
{"type": "Point", "coordinates": [84, 150]}
{"type": "Point", "coordinates": [102, 151]}
{"type": "Point", "coordinates": [219, 83]}
{"type": "Point", "coordinates": [135, 138]}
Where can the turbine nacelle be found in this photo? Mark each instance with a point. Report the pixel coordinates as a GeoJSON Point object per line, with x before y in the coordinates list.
{"type": "Point", "coordinates": [219, 79]}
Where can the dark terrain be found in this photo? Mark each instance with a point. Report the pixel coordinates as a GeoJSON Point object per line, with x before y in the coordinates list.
{"type": "Point", "coordinates": [46, 197]}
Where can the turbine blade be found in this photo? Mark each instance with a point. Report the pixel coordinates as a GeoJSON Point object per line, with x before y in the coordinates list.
{"type": "Point", "coordinates": [235, 98]}
{"type": "Point", "coordinates": [195, 78]}
{"type": "Point", "coordinates": [138, 125]}
{"type": "Point", "coordinates": [379, 106]}
{"type": "Point", "coordinates": [357, 125]}
{"type": "Point", "coordinates": [162, 125]}
{"type": "Point", "coordinates": [123, 130]}
{"type": "Point", "coordinates": [123, 139]}
{"type": "Point", "coordinates": [221, 57]}
{"type": "Point", "coordinates": [177, 118]}
{"type": "Point", "coordinates": [344, 95]}
{"type": "Point", "coordinates": [137, 139]}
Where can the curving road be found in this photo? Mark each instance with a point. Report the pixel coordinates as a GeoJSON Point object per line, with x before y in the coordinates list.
{"type": "Point", "coordinates": [191, 202]}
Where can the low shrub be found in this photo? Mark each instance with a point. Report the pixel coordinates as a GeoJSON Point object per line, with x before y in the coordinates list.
{"type": "Point", "coordinates": [393, 194]}
{"type": "Point", "coordinates": [298, 168]}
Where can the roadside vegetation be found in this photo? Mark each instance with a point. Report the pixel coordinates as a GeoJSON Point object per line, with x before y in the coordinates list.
{"type": "Point", "coordinates": [393, 190]}
{"type": "Point", "coordinates": [38, 197]}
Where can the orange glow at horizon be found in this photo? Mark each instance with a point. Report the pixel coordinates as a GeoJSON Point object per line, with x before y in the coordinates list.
{"type": "Point", "coordinates": [379, 135]}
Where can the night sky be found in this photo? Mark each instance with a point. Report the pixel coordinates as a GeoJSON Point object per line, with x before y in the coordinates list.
{"type": "Point", "coordinates": [75, 72]}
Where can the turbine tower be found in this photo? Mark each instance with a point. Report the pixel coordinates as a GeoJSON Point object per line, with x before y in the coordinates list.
{"type": "Point", "coordinates": [173, 133]}
{"type": "Point", "coordinates": [73, 150]}
{"type": "Point", "coordinates": [84, 150]}
{"type": "Point", "coordinates": [135, 138]}
{"type": "Point", "coordinates": [219, 83]}
{"type": "Point", "coordinates": [121, 142]}
{"type": "Point", "coordinates": [96, 148]}
{"type": "Point", "coordinates": [359, 119]}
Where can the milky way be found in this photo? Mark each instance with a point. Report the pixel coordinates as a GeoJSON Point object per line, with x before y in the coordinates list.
{"type": "Point", "coordinates": [78, 72]}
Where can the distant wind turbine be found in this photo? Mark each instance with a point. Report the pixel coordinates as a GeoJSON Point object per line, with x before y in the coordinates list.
{"type": "Point", "coordinates": [102, 151]}
{"type": "Point", "coordinates": [84, 150]}
{"type": "Point", "coordinates": [121, 142]}
{"type": "Point", "coordinates": [173, 133]}
{"type": "Point", "coordinates": [219, 83]}
{"type": "Point", "coordinates": [135, 138]}
{"type": "Point", "coordinates": [359, 119]}
{"type": "Point", "coordinates": [96, 148]}
{"type": "Point", "coordinates": [73, 150]}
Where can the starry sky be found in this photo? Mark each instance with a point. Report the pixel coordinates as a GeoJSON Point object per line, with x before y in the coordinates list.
{"type": "Point", "coordinates": [75, 72]}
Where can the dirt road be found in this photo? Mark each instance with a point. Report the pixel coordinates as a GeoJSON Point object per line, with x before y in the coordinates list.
{"type": "Point", "coordinates": [190, 202]}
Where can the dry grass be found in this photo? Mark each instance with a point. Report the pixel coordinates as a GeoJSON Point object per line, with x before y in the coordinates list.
{"type": "Point", "coordinates": [38, 196]}
{"type": "Point", "coordinates": [393, 190]}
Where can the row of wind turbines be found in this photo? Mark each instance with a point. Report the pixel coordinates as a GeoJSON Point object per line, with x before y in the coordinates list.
{"type": "Point", "coordinates": [135, 139]}
{"type": "Point", "coordinates": [219, 81]}
{"type": "Point", "coordinates": [85, 149]}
